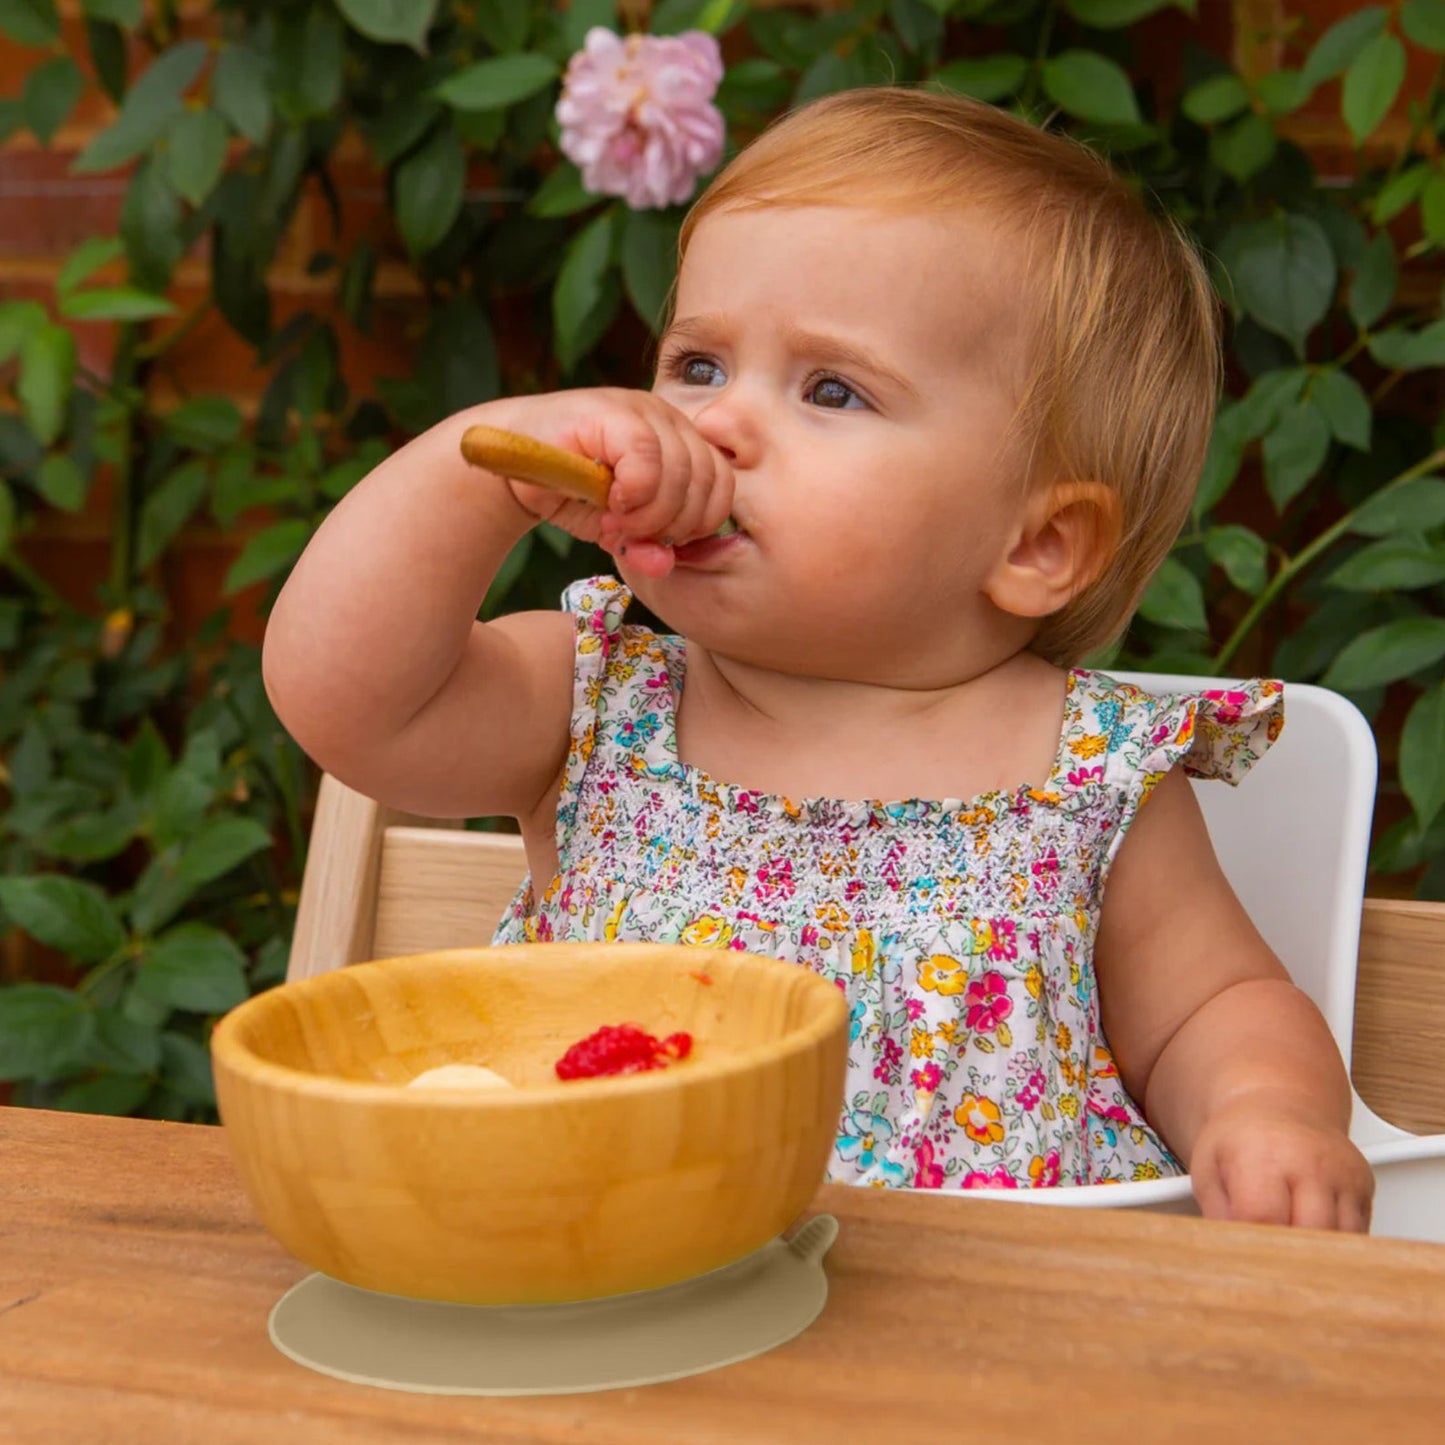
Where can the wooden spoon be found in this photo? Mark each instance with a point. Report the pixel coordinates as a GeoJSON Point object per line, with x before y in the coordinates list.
{"type": "Point", "coordinates": [525, 459]}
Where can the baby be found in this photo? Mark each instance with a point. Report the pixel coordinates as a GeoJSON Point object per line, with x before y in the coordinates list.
{"type": "Point", "coordinates": [954, 383]}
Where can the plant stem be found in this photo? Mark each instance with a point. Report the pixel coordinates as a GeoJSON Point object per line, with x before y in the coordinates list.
{"type": "Point", "coordinates": [1295, 565]}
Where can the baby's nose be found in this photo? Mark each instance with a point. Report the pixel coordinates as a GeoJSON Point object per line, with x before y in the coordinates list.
{"type": "Point", "coordinates": [730, 426]}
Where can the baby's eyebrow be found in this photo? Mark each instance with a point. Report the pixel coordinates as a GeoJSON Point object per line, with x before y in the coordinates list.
{"type": "Point", "coordinates": [835, 350]}
{"type": "Point", "coordinates": [705, 329]}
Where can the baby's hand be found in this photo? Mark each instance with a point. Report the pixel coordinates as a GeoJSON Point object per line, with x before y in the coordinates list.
{"type": "Point", "coordinates": [1260, 1164]}
{"type": "Point", "coordinates": [669, 485]}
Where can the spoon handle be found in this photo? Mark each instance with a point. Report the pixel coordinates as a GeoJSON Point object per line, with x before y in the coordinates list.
{"type": "Point", "coordinates": [528, 460]}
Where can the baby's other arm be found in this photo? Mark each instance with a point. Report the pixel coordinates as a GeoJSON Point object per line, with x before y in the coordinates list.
{"type": "Point", "coordinates": [1231, 1062]}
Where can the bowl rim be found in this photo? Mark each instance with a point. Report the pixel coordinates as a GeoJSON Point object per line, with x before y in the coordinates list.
{"type": "Point", "coordinates": [231, 1053]}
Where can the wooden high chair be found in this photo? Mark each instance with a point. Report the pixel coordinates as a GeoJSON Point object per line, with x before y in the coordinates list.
{"type": "Point", "coordinates": [1293, 841]}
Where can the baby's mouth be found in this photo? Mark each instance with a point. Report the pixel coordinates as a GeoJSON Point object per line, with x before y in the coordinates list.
{"type": "Point", "coordinates": [704, 549]}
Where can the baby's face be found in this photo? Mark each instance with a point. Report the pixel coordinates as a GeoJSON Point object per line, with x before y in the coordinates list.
{"type": "Point", "coordinates": [860, 370]}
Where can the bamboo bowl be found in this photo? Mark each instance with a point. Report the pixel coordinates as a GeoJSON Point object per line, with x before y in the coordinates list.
{"type": "Point", "coordinates": [552, 1190]}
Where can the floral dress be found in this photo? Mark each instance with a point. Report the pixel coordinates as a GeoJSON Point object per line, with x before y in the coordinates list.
{"type": "Point", "coordinates": [962, 932]}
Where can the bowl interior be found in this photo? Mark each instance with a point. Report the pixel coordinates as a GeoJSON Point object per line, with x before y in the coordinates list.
{"type": "Point", "coordinates": [515, 1010]}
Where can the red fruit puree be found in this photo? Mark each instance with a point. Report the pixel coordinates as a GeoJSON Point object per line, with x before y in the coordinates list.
{"type": "Point", "coordinates": [621, 1049]}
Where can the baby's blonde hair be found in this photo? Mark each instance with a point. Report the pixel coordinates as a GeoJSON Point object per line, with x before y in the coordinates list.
{"type": "Point", "coordinates": [1123, 365]}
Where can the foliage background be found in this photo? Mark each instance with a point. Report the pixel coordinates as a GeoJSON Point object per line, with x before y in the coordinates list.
{"type": "Point", "coordinates": [154, 815]}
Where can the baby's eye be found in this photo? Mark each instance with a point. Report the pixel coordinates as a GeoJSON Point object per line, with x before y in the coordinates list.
{"type": "Point", "coordinates": [698, 371]}
{"type": "Point", "coordinates": [836, 395]}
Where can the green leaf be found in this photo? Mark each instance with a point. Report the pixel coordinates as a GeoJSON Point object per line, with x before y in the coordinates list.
{"type": "Point", "coordinates": [499, 81]}
{"type": "Point", "coordinates": [87, 259]}
{"type": "Point", "coordinates": [267, 553]}
{"type": "Point", "coordinates": [1174, 598]}
{"type": "Point", "coordinates": [1386, 654]}
{"type": "Point", "coordinates": [1294, 452]}
{"type": "Point", "coordinates": [1417, 505]}
{"type": "Point", "coordinates": [150, 105]}
{"type": "Point", "coordinates": [30, 22]}
{"type": "Point", "coordinates": [1114, 14]}
{"type": "Point", "coordinates": [50, 94]}
{"type": "Point", "coordinates": [75, 918]}
{"type": "Point", "coordinates": [1221, 466]}
{"type": "Point", "coordinates": [47, 376]}
{"type": "Point", "coordinates": [1345, 406]}
{"type": "Point", "coordinates": [207, 423]}
{"type": "Point", "coordinates": [150, 224]}
{"type": "Point", "coordinates": [1401, 349]}
{"type": "Point", "coordinates": [1399, 192]}
{"type": "Point", "coordinates": [1244, 147]}
{"type": "Point", "coordinates": [430, 184]}
{"type": "Point", "coordinates": [240, 90]}
{"type": "Point", "coordinates": [309, 63]}
{"type": "Point", "coordinates": [1422, 755]}
{"type": "Point", "coordinates": [649, 262]}
{"type": "Point", "coordinates": [168, 508]}
{"type": "Point", "coordinates": [1423, 21]}
{"type": "Point", "coordinates": [122, 1043]}
{"type": "Point", "coordinates": [219, 846]}
{"type": "Point", "coordinates": [578, 290]}
{"type": "Point", "coordinates": [1371, 84]}
{"type": "Point", "coordinates": [197, 142]}
{"type": "Point", "coordinates": [117, 1095]}
{"type": "Point", "coordinates": [580, 17]}
{"type": "Point", "coordinates": [1220, 97]}
{"type": "Point", "coordinates": [186, 1068]}
{"type": "Point", "coordinates": [61, 482]}
{"type": "Point", "coordinates": [504, 24]}
{"type": "Point", "coordinates": [18, 321]}
{"type": "Point", "coordinates": [1242, 554]}
{"type": "Point", "coordinates": [148, 762]}
{"type": "Point", "coordinates": [1334, 51]}
{"type": "Point", "coordinates": [1372, 288]}
{"type": "Point", "coordinates": [1392, 564]}
{"type": "Point", "coordinates": [561, 193]}
{"type": "Point", "coordinates": [193, 967]}
{"type": "Point", "coordinates": [115, 303]}
{"type": "Point", "coordinates": [672, 17]}
{"type": "Point", "coordinates": [401, 22]}
{"type": "Point", "coordinates": [41, 1026]}
{"type": "Point", "coordinates": [1283, 91]}
{"type": "Point", "coordinates": [1091, 87]}
{"type": "Point", "coordinates": [126, 13]}
{"type": "Point", "coordinates": [990, 77]}
{"type": "Point", "coordinates": [1284, 274]}
{"type": "Point", "coordinates": [93, 837]}
{"type": "Point", "coordinates": [754, 86]}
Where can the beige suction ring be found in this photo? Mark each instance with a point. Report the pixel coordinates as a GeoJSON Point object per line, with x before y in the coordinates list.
{"type": "Point", "coordinates": [730, 1314]}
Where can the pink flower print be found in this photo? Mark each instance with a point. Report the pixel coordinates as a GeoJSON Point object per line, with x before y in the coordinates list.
{"type": "Point", "coordinates": [746, 802]}
{"type": "Point", "coordinates": [887, 1067]}
{"type": "Point", "coordinates": [853, 889]}
{"type": "Point", "coordinates": [637, 116]}
{"type": "Point", "coordinates": [775, 880]}
{"type": "Point", "coordinates": [1004, 947]}
{"type": "Point", "coordinates": [927, 1079]}
{"type": "Point", "coordinates": [1079, 776]}
{"type": "Point", "coordinates": [987, 1003]}
{"type": "Point", "coordinates": [1000, 1178]}
{"type": "Point", "coordinates": [915, 1010]}
{"type": "Point", "coordinates": [1046, 872]}
{"type": "Point", "coordinates": [1031, 1091]}
{"type": "Point", "coordinates": [929, 1175]}
{"type": "Point", "coordinates": [1229, 701]}
{"type": "Point", "coordinates": [1160, 733]}
{"type": "Point", "coordinates": [808, 937]}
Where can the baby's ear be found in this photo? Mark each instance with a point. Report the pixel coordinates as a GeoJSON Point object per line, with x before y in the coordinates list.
{"type": "Point", "coordinates": [1067, 535]}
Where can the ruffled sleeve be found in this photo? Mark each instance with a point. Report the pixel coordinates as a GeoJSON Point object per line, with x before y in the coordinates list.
{"type": "Point", "coordinates": [1125, 739]}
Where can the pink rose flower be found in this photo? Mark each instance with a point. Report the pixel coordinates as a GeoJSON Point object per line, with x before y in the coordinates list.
{"type": "Point", "coordinates": [637, 116]}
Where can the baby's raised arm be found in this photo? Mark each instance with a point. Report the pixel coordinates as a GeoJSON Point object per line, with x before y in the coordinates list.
{"type": "Point", "coordinates": [373, 657]}
{"type": "Point", "coordinates": [1231, 1062]}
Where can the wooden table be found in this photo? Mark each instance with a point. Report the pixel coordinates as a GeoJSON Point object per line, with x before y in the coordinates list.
{"type": "Point", "coordinates": [135, 1285]}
